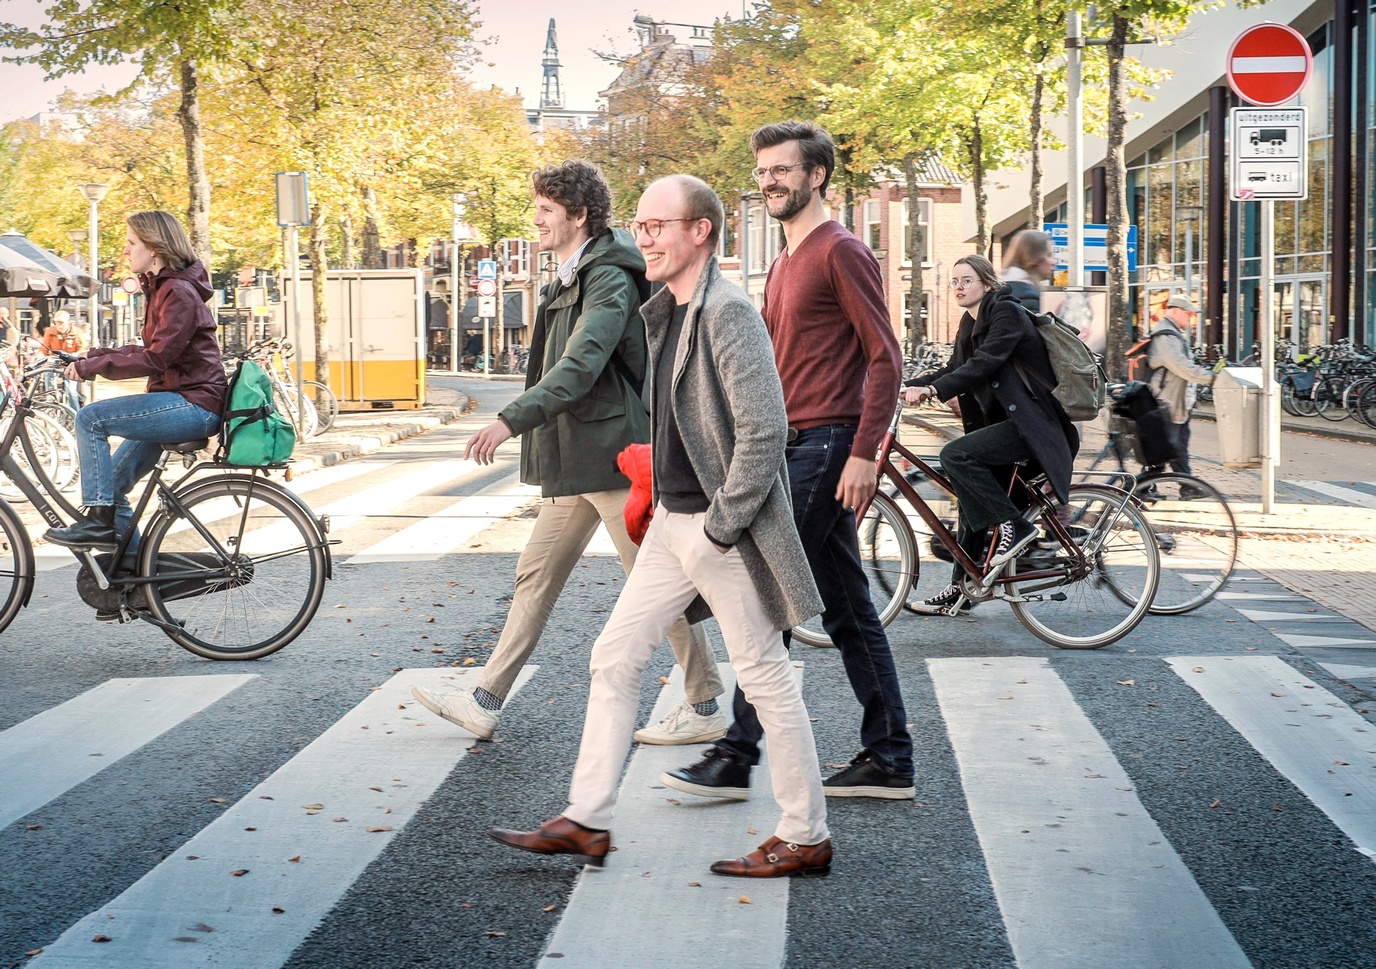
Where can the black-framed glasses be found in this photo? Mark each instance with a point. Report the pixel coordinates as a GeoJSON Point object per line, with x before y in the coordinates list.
{"type": "Point", "coordinates": [776, 172]}
{"type": "Point", "coordinates": [652, 227]}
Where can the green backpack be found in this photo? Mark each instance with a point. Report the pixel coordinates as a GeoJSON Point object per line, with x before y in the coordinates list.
{"type": "Point", "coordinates": [253, 433]}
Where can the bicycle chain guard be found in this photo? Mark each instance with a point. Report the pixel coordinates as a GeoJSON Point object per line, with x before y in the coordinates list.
{"type": "Point", "coordinates": [120, 596]}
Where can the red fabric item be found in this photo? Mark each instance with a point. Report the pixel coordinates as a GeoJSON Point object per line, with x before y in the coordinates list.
{"type": "Point", "coordinates": [635, 463]}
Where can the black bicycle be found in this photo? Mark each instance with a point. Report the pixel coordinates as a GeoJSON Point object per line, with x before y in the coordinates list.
{"type": "Point", "coordinates": [230, 565]}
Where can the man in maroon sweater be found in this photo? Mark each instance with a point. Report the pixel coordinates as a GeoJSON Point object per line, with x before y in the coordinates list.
{"type": "Point", "coordinates": [841, 367]}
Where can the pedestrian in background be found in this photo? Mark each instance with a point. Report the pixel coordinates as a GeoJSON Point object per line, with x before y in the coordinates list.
{"type": "Point", "coordinates": [1029, 263]}
{"type": "Point", "coordinates": [841, 369]}
{"type": "Point", "coordinates": [581, 407]}
{"type": "Point", "coordinates": [65, 336]}
{"type": "Point", "coordinates": [722, 539]}
{"type": "Point", "coordinates": [1174, 372]}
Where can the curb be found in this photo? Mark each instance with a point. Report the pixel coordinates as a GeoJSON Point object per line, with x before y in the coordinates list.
{"type": "Point", "coordinates": [948, 431]}
{"type": "Point", "coordinates": [352, 445]}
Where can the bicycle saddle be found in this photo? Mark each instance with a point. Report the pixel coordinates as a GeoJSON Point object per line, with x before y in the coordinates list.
{"type": "Point", "coordinates": [187, 447]}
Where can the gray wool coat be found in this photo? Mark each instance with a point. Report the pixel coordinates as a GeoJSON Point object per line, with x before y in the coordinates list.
{"type": "Point", "coordinates": [729, 405]}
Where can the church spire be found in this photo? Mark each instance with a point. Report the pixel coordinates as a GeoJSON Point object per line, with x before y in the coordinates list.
{"type": "Point", "coordinates": [551, 96]}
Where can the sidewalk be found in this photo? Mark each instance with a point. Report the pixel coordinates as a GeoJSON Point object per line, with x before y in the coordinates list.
{"type": "Point", "coordinates": [1323, 551]}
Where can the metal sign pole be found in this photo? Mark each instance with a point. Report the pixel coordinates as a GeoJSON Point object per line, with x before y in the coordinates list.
{"type": "Point", "coordinates": [295, 256]}
{"type": "Point", "coordinates": [1270, 414]}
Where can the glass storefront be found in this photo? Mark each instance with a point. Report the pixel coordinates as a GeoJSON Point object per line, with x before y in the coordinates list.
{"type": "Point", "coordinates": [1166, 201]}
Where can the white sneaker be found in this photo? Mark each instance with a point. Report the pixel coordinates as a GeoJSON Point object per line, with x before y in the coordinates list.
{"type": "Point", "coordinates": [684, 725]}
{"type": "Point", "coordinates": [460, 709]}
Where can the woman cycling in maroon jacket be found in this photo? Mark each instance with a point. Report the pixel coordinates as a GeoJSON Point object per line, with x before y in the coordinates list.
{"type": "Point", "coordinates": [180, 356]}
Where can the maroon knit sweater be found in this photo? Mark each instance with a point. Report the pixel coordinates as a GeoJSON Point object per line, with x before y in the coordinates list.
{"type": "Point", "coordinates": [837, 356]}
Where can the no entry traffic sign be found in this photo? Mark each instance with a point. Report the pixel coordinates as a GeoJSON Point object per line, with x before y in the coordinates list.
{"type": "Point", "coordinates": [1269, 64]}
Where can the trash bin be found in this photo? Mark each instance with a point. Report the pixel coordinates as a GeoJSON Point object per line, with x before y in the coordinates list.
{"type": "Point", "coordinates": [1237, 407]}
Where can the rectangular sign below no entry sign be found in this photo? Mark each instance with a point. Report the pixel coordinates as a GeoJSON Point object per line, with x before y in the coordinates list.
{"type": "Point", "coordinates": [1270, 153]}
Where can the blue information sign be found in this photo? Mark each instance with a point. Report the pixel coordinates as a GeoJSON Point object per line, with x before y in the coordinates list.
{"type": "Point", "coordinates": [487, 269]}
{"type": "Point", "coordinates": [1096, 251]}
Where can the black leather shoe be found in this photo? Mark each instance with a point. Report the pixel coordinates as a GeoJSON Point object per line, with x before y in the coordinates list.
{"type": "Point", "coordinates": [97, 530]}
{"type": "Point", "coordinates": [718, 774]}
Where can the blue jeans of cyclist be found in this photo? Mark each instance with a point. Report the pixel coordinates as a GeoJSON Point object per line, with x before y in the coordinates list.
{"type": "Point", "coordinates": [816, 458]}
{"type": "Point", "coordinates": [144, 421]}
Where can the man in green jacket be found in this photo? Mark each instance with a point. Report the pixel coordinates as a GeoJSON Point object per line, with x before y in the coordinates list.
{"type": "Point", "coordinates": [581, 408]}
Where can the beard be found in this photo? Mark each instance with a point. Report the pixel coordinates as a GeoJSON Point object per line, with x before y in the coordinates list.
{"type": "Point", "coordinates": [789, 206]}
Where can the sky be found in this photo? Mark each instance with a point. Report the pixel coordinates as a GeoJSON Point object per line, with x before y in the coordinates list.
{"type": "Point", "coordinates": [511, 61]}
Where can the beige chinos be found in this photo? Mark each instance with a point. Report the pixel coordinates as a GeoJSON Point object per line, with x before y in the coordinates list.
{"type": "Point", "coordinates": [563, 529]}
{"type": "Point", "coordinates": [677, 562]}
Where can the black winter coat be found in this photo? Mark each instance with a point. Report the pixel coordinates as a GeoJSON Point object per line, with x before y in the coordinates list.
{"type": "Point", "coordinates": [984, 373]}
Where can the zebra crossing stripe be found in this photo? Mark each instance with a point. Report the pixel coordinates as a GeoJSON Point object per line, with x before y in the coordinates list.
{"type": "Point", "coordinates": [446, 530]}
{"type": "Point", "coordinates": [665, 843]}
{"type": "Point", "coordinates": [1319, 743]}
{"type": "Point", "coordinates": [49, 754]}
{"type": "Point", "coordinates": [265, 873]}
{"type": "Point", "coordinates": [1058, 820]}
{"type": "Point", "coordinates": [1350, 495]}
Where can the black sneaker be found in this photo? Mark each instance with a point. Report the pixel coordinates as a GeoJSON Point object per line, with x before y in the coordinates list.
{"type": "Point", "coordinates": [865, 778]}
{"type": "Point", "coordinates": [1189, 492]}
{"type": "Point", "coordinates": [1010, 538]}
{"type": "Point", "coordinates": [941, 604]}
{"type": "Point", "coordinates": [719, 774]}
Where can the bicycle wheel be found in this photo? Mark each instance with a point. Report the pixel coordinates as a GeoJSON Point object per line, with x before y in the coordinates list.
{"type": "Point", "coordinates": [58, 411]}
{"type": "Point", "coordinates": [1300, 403]}
{"type": "Point", "coordinates": [265, 563]}
{"type": "Point", "coordinates": [285, 399]}
{"type": "Point", "coordinates": [1328, 399]}
{"type": "Point", "coordinates": [16, 565]}
{"type": "Point", "coordinates": [326, 404]}
{"type": "Point", "coordinates": [45, 452]}
{"type": "Point", "coordinates": [1104, 604]}
{"type": "Point", "coordinates": [1366, 406]}
{"type": "Point", "coordinates": [889, 556]}
{"type": "Point", "coordinates": [1196, 535]}
{"type": "Point", "coordinates": [67, 465]}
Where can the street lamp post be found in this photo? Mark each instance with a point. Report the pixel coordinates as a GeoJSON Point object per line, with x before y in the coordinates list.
{"type": "Point", "coordinates": [94, 192]}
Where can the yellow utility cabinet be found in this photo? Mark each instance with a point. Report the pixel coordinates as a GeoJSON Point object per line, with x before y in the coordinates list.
{"type": "Point", "coordinates": [376, 336]}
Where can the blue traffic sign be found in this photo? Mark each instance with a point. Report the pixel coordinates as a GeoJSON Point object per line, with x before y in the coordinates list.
{"type": "Point", "coordinates": [487, 269]}
{"type": "Point", "coordinates": [1096, 249]}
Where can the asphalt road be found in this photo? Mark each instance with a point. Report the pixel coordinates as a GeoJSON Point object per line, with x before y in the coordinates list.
{"type": "Point", "coordinates": [1105, 808]}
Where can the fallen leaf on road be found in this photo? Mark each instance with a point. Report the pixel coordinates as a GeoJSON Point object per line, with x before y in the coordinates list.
{"type": "Point", "coordinates": [1215, 803]}
{"type": "Point", "coordinates": [102, 938]}
{"type": "Point", "coordinates": [217, 800]}
{"type": "Point", "coordinates": [745, 900]}
{"type": "Point", "coordinates": [549, 908]}
{"type": "Point", "coordinates": [278, 911]}
{"type": "Point", "coordinates": [495, 935]}
{"type": "Point", "coordinates": [239, 872]}
{"type": "Point", "coordinates": [1126, 682]}
{"type": "Point", "coordinates": [376, 828]}
{"type": "Point", "coordinates": [294, 860]}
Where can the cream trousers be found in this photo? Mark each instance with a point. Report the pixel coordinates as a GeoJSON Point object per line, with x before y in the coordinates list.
{"type": "Point", "coordinates": [677, 562]}
{"type": "Point", "coordinates": [563, 529]}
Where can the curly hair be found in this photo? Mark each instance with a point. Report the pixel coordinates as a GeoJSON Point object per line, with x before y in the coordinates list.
{"type": "Point", "coordinates": [579, 187]}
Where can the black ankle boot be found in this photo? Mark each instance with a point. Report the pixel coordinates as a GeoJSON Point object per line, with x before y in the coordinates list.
{"type": "Point", "coordinates": [96, 530]}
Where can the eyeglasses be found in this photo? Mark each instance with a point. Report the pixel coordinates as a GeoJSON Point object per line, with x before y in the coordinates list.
{"type": "Point", "coordinates": [960, 282]}
{"type": "Point", "coordinates": [652, 227]}
{"type": "Point", "coordinates": [776, 172]}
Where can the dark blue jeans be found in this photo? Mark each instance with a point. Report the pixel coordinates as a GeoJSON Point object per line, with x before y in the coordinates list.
{"type": "Point", "coordinates": [815, 461]}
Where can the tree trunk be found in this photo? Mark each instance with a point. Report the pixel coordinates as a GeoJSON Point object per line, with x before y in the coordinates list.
{"type": "Point", "coordinates": [976, 143]}
{"type": "Point", "coordinates": [1038, 203]}
{"type": "Point", "coordinates": [372, 236]}
{"type": "Point", "coordinates": [319, 296]}
{"type": "Point", "coordinates": [917, 244]}
{"type": "Point", "coordinates": [1119, 335]}
{"type": "Point", "coordinates": [346, 238]}
{"type": "Point", "coordinates": [198, 183]}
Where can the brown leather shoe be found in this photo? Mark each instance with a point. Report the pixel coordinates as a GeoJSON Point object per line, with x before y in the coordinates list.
{"type": "Point", "coordinates": [776, 858]}
{"type": "Point", "coordinates": [560, 837]}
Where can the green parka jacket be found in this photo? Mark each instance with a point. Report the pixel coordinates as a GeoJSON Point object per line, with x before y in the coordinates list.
{"type": "Point", "coordinates": [579, 409]}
